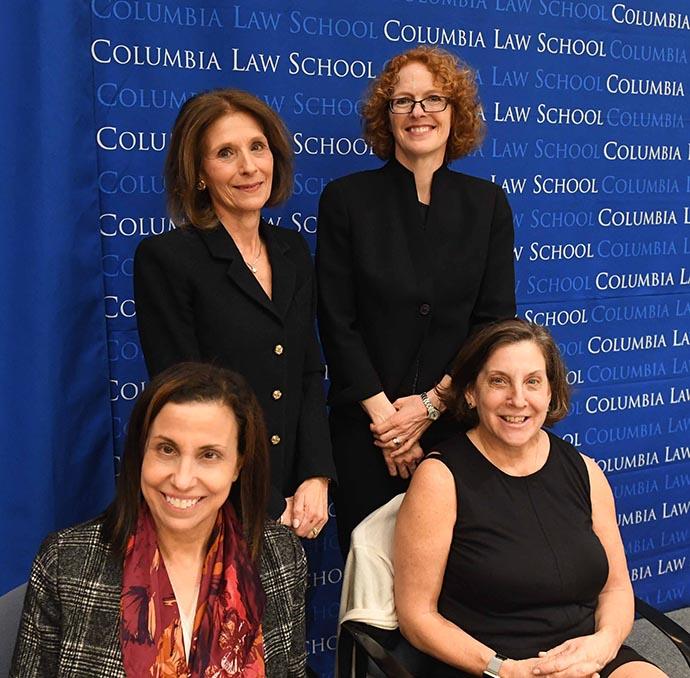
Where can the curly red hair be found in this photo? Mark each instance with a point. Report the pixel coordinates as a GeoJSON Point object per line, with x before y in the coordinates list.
{"type": "Point", "coordinates": [455, 79]}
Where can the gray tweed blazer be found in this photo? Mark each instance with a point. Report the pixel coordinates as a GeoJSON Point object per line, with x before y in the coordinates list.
{"type": "Point", "coordinates": [70, 623]}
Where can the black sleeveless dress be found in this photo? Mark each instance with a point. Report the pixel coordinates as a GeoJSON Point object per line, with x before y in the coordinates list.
{"type": "Point", "coordinates": [525, 568]}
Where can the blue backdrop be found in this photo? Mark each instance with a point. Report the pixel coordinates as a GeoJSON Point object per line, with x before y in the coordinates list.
{"type": "Point", "coordinates": [586, 107]}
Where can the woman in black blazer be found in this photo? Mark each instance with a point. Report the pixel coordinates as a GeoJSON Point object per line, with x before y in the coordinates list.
{"type": "Point", "coordinates": [229, 288]}
{"type": "Point", "coordinates": [411, 258]}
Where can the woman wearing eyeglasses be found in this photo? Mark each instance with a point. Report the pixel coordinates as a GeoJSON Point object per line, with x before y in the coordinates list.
{"type": "Point", "coordinates": [411, 259]}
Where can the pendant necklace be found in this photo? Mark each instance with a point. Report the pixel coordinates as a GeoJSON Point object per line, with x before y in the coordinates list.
{"type": "Point", "coordinates": [252, 267]}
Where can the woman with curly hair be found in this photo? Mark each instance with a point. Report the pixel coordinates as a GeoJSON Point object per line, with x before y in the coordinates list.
{"type": "Point", "coordinates": [411, 259]}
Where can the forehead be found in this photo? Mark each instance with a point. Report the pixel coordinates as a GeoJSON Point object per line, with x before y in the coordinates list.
{"type": "Point", "coordinates": [522, 356]}
{"type": "Point", "coordinates": [235, 125]}
{"type": "Point", "coordinates": [194, 420]}
{"type": "Point", "coordinates": [415, 75]}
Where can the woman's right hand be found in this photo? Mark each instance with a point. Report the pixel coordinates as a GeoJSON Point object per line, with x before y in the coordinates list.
{"type": "Point", "coordinates": [379, 408]}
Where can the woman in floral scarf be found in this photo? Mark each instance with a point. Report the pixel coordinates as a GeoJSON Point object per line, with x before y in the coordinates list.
{"type": "Point", "coordinates": [182, 575]}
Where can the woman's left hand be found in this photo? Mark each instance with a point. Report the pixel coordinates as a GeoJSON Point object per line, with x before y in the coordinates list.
{"type": "Point", "coordinates": [310, 507]}
{"type": "Point", "coordinates": [403, 429]}
{"type": "Point", "coordinates": [581, 656]}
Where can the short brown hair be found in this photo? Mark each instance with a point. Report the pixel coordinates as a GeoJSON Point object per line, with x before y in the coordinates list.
{"type": "Point", "coordinates": [187, 205]}
{"type": "Point", "coordinates": [195, 383]}
{"type": "Point", "coordinates": [456, 80]}
{"type": "Point", "coordinates": [478, 350]}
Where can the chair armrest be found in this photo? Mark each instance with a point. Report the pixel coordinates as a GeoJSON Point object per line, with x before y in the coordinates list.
{"type": "Point", "coordinates": [674, 632]}
{"type": "Point", "coordinates": [373, 649]}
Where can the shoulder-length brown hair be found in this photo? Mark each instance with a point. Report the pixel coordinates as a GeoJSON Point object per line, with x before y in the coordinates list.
{"type": "Point", "coordinates": [195, 383]}
{"type": "Point", "coordinates": [478, 350]}
{"type": "Point", "coordinates": [189, 206]}
{"type": "Point", "coordinates": [455, 79]}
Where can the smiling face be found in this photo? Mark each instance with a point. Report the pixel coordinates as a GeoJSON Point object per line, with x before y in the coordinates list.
{"type": "Point", "coordinates": [512, 396]}
{"type": "Point", "coordinates": [189, 465]}
{"type": "Point", "coordinates": [418, 134]}
{"type": "Point", "coordinates": [237, 166]}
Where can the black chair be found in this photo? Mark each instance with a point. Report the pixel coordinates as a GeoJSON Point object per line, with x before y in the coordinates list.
{"type": "Point", "coordinates": [377, 653]}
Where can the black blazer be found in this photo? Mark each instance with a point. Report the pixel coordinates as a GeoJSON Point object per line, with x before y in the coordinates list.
{"type": "Point", "coordinates": [197, 300]}
{"type": "Point", "coordinates": [398, 295]}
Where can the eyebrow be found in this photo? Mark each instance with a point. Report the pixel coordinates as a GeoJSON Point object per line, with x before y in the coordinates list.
{"type": "Point", "coordinates": [205, 446]}
{"type": "Point", "coordinates": [407, 93]}
{"type": "Point", "coordinates": [540, 371]}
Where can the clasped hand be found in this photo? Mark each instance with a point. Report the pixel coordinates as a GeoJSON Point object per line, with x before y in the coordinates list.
{"type": "Point", "coordinates": [581, 657]}
{"type": "Point", "coordinates": [398, 435]}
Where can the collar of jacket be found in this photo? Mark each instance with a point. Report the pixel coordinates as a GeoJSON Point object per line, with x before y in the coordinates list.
{"type": "Point", "coordinates": [396, 169]}
{"type": "Point", "coordinates": [221, 246]}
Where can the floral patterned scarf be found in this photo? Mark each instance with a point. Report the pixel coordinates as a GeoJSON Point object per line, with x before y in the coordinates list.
{"type": "Point", "coordinates": [227, 639]}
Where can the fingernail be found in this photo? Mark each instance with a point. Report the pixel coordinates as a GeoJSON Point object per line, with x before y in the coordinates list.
{"type": "Point", "coordinates": [295, 523]}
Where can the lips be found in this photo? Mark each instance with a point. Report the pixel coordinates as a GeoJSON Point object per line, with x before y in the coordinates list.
{"type": "Point", "coordinates": [248, 188]}
{"type": "Point", "coordinates": [419, 129]}
{"type": "Point", "coordinates": [181, 502]}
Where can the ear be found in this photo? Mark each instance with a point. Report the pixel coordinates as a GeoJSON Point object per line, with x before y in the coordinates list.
{"type": "Point", "coordinates": [470, 398]}
{"type": "Point", "coordinates": [238, 468]}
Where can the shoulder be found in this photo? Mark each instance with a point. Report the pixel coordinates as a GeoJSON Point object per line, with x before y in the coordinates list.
{"type": "Point", "coordinates": [170, 244]}
{"type": "Point", "coordinates": [286, 237]}
{"type": "Point", "coordinates": [283, 560]}
{"type": "Point", "coordinates": [475, 185]}
{"type": "Point", "coordinates": [84, 535]}
{"type": "Point", "coordinates": [365, 181]}
{"type": "Point", "coordinates": [77, 549]}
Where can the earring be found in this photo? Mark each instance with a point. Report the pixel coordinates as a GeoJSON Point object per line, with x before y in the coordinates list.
{"type": "Point", "coordinates": [470, 403]}
{"type": "Point", "coordinates": [201, 185]}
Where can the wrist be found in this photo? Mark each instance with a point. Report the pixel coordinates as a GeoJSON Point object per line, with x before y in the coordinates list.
{"type": "Point", "coordinates": [378, 407]}
{"type": "Point", "coordinates": [611, 642]}
{"type": "Point", "coordinates": [496, 667]}
{"type": "Point", "coordinates": [432, 412]}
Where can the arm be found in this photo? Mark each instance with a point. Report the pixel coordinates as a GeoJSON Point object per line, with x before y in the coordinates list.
{"type": "Point", "coordinates": [422, 541]}
{"type": "Point", "coordinates": [165, 316]}
{"type": "Point", "coordinates": [314, 458]}
{"type": "Point", "coordinates": [615, 606]}
{"type": "Point", "coordinates": [38, 641]}
{"type": "Point", "coordinates": [346, 352]}
{"type": "Point", "coordinates": [496, 298]}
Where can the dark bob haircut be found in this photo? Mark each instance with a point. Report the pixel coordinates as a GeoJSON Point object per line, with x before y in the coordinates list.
{"type": "Point", "coordinates": [455, 79]}
{"type": "Point", "coordinates": [480, 347]}
{"type": "Point", "coordinates": [189, 206]}
{"type": "Point", "coordinates": [195, 383]}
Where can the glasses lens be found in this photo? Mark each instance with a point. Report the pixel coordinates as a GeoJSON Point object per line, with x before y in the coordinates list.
{"type": "Point", "coordinates": [434, 104]}
{"type": "Point", "coordinates": [402, 105]}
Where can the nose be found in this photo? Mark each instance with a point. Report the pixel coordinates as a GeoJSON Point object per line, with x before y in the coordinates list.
{"type": "Point", "coordinates": [184, 475]}
{"type": "Point", "coordinates": [517, 396]}
{"type": "Point", "coordinates": [247, 164]}
{"type": "Point", "coordinates": [417, 110]}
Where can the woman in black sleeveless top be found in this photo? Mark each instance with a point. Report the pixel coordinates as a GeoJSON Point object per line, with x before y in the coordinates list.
{"type": "Point", "coordinates": [508, 558]}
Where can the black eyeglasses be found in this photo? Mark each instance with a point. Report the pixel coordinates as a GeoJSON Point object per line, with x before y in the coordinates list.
{"type": "Point", "coordinates": [434, 103]}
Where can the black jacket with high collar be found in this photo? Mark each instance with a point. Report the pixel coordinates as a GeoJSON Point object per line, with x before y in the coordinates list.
{"type": "Point", "coordinates": [400, 294]}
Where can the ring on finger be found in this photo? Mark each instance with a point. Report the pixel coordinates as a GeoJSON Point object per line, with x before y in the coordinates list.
{"type": "Point", "coordinates": [314, 532]}
{"type": "Point", "coordinates": [397, 442]}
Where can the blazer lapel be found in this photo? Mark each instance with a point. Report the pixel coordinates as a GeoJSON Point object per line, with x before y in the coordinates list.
{"type": "Point", "coordinates": [283, 270]}
{"type": "Point", "coordinates": [222, 246]}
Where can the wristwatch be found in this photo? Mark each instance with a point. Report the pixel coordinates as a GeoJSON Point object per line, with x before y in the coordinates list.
{"type": "Point", "coordinates": [432, 412]}
{"type": "Point", "coordinates": [494, 666]}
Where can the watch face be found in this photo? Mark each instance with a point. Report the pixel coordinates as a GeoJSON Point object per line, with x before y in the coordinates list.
{"type": "Point", "coordinates": [434, 415]}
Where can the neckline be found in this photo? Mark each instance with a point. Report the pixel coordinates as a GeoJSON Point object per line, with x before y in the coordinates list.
{"type": "Point", "coordinates": [487, 461]}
